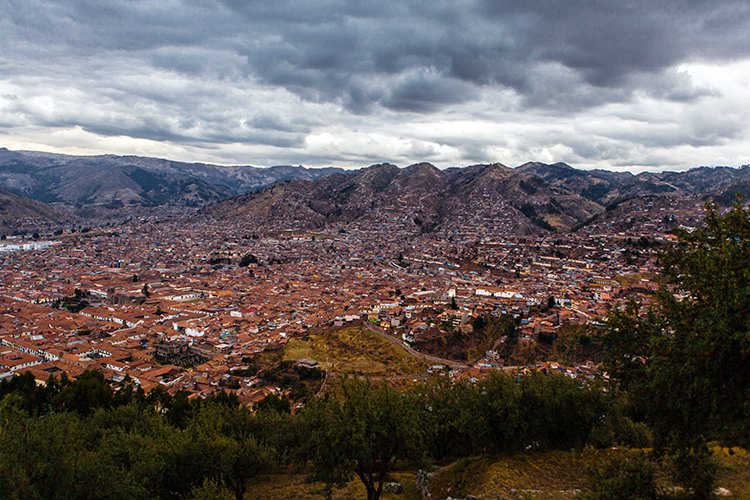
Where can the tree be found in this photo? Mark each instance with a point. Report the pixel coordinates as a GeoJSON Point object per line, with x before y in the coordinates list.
{"type": "Point", "coordinates": [479, 322]}
{"type": "Point", "coordinates": [224, 429]}
{"type": "Point", "coordinates": [452, 418]}
{"type": "Point", "coordinates": [559, 412]}
{"type": "Point", "coordinates": [363, 435]}
{"type": "Point", "coordinates": [272, 402]}
{"type": "Point", "coordinates": [624, 475]}
{"type": "Point", "coordinates": [686, 361]}
{"type": "Point", "coordinates": [695, 343]}
{"type": "Point", "coordinates": [248, 259]}
{"type": "Point", "coordinates": [712, 324]}
{"type": "Point", "coordinates": [88, 392]}
{"type": "Point", "coordinates": [53, 457]}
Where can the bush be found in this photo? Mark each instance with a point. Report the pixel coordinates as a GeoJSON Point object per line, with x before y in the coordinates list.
{"type": "Point", "coordinates": [622, 476]}
{"type": "Point", "coordinates": [695, 470]}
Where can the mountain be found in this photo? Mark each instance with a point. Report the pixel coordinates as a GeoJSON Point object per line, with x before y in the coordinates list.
{"type": "Point", "coordinates": [119, 181]}
{"type": "Point", "coordinates": [418, 197]}
{"type": "Point", "coordinates": [485, 199]}
{"type": "Point", "coordinates": [17, 212]}
{"type": "Point", "coordinates": [528, 199]}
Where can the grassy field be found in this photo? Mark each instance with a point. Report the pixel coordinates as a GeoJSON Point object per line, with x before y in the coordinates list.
{"type": "Point", "coordinates": [297, 486]}
{"type": "Point", "coordinates": [635, 279]}
{"type": "Point", "coordinates": [559, 474]}
{"type": "Point", "coordinates": [354, 351]}
{"type": "Point", "coordinates": [539, 475]}
{"type": "Point", "coordinates": [548, 475]}
{"type": "Point", "coordinates": [734, 470]}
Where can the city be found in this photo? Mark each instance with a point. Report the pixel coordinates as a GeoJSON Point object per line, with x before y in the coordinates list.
{"type": "Point", "coordinates": [114, 299]}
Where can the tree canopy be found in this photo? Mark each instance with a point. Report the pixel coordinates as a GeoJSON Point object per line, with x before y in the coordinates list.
{"type": "Point", "coordinates": [686, 360]}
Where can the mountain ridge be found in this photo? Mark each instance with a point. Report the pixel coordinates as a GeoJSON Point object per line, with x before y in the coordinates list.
{"type": "Point", "coordinates": [535, 197]}
{"type": "Point", "coordinates": [17, 212]}
{"type": "Point", "coordinates": [117, 181]}
{"type": "Point", "coordinates": [531, 197]}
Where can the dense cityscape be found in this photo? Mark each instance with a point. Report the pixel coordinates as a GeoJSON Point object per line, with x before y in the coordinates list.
{"type": "Point", "coordinates": [136, 299]}
{"type": "Point", "coordinates": [474, 250]}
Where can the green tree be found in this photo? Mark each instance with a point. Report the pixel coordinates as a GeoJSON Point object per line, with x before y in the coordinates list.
{"type": "Point", "coordinates": [248, 259]}
{"type": "Point", "coordinates": [559, 412]}
{"type": "Point", "coordinates": [687, 360]}
{"type": "Point", "coordinates": [629, 476]}
{"type": "Point", "coordinates": [228, 431]}
{"type": "Point", "coordinates": [272, 402]}
{"type": "Point", "coordinates": [88, 392]}
{"type": "Point", "coordinates": [452, 420]}
{"type": "Point", "coordinates": [56, 457]}
{"type": "Point", "coordinates": [363, 435]}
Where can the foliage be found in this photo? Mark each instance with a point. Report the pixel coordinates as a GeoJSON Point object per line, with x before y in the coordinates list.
{"type": "Point", "coordinates": [89, 441]}
{"type": "Point", "coordinates": [210, 490]}
{"type": "Point", "coordinates": [501, 414]}
{"type": "Point", "coordinates": [629, 476]}
{"type": "Point", "coordinates": [95, 438]}
{"type": "Point", "coordinates": [488, 329]}
{"type": "Point", "coordinates": [272, 402]}
{"type": "Point", "coordinates": [365, 434]}
{"type": "Point", "coordinates": [686, 362]}
{"type": "Point", "coordinates": [248, 259]}
{"type": "Point", "coordinates": [695, 469]}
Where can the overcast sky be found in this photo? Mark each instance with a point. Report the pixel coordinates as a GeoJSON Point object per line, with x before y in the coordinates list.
{"type": "Point", "coordinates": [614, 84]}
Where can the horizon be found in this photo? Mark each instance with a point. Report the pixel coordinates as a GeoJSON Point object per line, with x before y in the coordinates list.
{"type": "Point", "coordinates": [642, 88]}
{"type": "Point", "coordinates": [354, 168]}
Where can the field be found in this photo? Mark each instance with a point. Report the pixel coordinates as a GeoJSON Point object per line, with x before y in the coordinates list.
{"type": "Point", "coordinates": [548, 475]}
{"type": "Point", "coordinates": [296, 486]}
{"type": "Point", "coordinates": [555, 474]}
{"type": "Point", "coordinates": [355, 351]}
{"type": "Point", "coordinates": [561, 474]}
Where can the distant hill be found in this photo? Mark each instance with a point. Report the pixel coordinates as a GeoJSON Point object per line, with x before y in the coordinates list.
{"type": "Point", "coordinates": [532, 198]}
{"type": "Point", "coordinates": [17, 212]}
{"type": "Point", "coordinates": [528, 199]}
{"type": "Point", "coordinates": [121, 181]}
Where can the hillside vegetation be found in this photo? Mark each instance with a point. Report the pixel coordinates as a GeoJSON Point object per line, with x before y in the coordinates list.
{"type": "Point", "coordinates": [354, 351]}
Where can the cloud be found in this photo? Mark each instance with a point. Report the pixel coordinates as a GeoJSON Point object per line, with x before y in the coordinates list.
{"type": "Point", "coordinates": [596, 82]}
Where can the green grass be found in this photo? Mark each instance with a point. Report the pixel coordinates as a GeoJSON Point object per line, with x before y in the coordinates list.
{"type": "Point", "coordinates": [354, 351]}
{"type": "Point", "coordinates": [297, 486]}
{"type": "Point", "coordinates": [734, 470]}
{"type": "Point", "coordinates": [557, 474]}
{"type": "Point", "coordinates": [635, 279]}
{"type": "Point", "coordinates": [538, 475]}
{"type": "Point", "coordinates": [535, 475]}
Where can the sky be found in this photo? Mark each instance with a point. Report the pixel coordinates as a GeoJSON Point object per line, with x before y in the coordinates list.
{"type": "Point", "coordinates": [620, 85]}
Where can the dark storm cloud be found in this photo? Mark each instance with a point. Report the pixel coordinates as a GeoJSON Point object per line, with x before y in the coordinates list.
{"type": "Point", "coordinates": [228, 71]}
{"type": "Point", "coordinates": [315, 49]}
{"type": "Point", "coordinates": [319, 49]}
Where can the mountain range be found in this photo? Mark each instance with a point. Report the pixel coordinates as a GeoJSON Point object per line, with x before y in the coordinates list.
{"type": "Point", "coordinates": [17, 212]}
{"type": "Point", "coordinates": [117, 181]}
{"type": "Point", "coordinates": [528, 199]}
